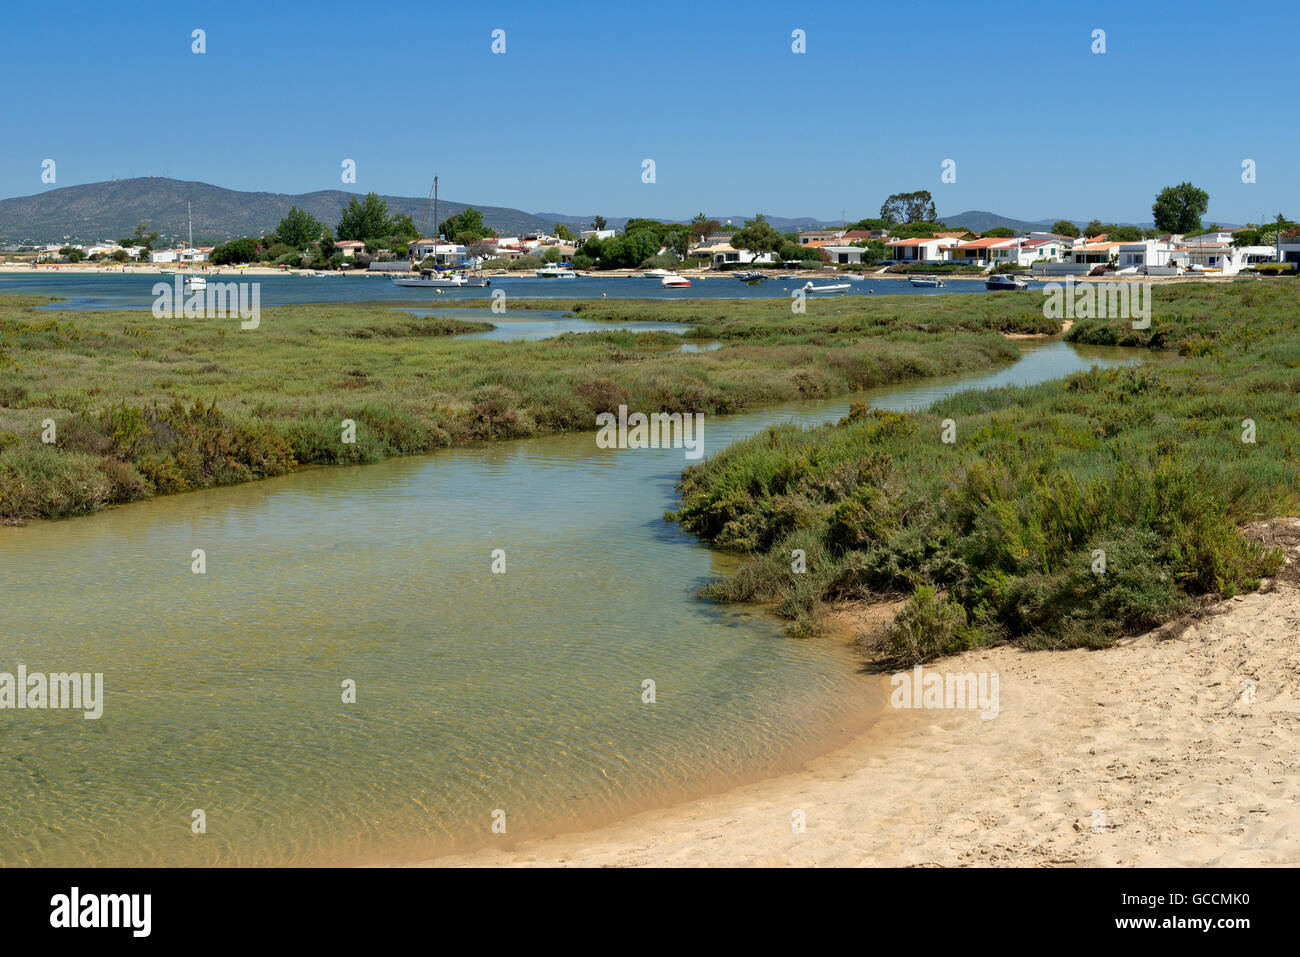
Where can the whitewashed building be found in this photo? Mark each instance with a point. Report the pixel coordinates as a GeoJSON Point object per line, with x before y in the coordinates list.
{"type": "Point", "coordinates": [921, 249]}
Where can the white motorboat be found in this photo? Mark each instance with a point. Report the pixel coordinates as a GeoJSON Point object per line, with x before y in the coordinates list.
{"type": "Point", "coordinates": [931, 282]}
{"type": "Point", "coordinates": [810, 288]}
{"type": "Point", "coordinates": [657, 274]}
{"type": "Point", "coordinates": [672, 281]}
{"type": "Point", "coordinates": [1005, 281]}
{"type": "Point", "coordinates": [556, 271]}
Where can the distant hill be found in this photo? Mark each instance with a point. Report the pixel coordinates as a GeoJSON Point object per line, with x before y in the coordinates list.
{"type": "Point", "coordinates": [111, 210]}
{"type": "Point", "coordinates": [98, 212]}
{"type": "Point", "coordinates": [980, 221]}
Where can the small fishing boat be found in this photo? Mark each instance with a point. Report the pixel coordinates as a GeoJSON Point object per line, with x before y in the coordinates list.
{"type": "Point", "coordinates": [751, 277]}
{"type": "Point", "coordinates": [657, 274]}
{"type": "Point", "coordinates": [930, 282]}
{"type": "Point", "coordinates": [556, 271]}
{"type": "Point", "coordinates": [787, 275]}
{"type": "Point", "coordinates": [674, 282]}
{"type": "Point", "coordinates": [1005, 282]}
{"type": "Point", "coordinates": [810, 288]}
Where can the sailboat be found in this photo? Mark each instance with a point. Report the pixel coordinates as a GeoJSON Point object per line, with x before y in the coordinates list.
{"type": "Point", "coordinates": [193, 282]}
{"type": "Point", "coordinates": [435, 277]}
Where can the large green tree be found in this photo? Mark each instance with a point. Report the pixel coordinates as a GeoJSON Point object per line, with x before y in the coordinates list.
{"type": "Point", "coordinates": [234, 252]}
{"type": "Point", "coordinates": [909, 208]}
{"type": "Point", "coordinates": [365, 220]}
{"type": "Point", "coordinates": [465, 227]}
{"type": "Point", "coordinates": [140, 238]}
{"type": "Point", "coordinates": [404, 227]}
{"type": "Point", "coordinates": [298, 229]}
{"type": "Point", "coordinates": [869, 224]}
{"type": "Point", "coordinates": [564, 232]}
{"type": "Point", "coordinates": [1063, 227]}
{"type": "Point", "coordinates": [1178, 209]}
{"type": "Point", "coordinates": [758, 236]}
{"type": "Point", "coordinates": [702, 226]}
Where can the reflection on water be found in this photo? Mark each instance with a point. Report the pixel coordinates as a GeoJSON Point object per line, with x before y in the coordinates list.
{"type": "Point", "coordinates": [474, 691]}
{"type": "Point", "coordinates": [541, 324]}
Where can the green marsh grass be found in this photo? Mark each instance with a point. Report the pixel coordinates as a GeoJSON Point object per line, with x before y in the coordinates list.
{"type": "Point", "coordinates": [147, 406]}
{"type": "Point", "coordinates": [1142, 468]}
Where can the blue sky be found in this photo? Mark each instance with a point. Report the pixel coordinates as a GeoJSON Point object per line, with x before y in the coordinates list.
{"type": "Point", "coordinates": [1037, 124]}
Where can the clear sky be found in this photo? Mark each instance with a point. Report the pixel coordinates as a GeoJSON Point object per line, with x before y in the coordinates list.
{"type": "Point", "coordinates": [1038, 125]}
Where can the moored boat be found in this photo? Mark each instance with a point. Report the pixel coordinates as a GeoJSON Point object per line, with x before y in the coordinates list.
{"type": "Point", "coordinates": [674, 282]}
{"type": "Point", "coordinates": [810, 287]}
{"type": "Point", "coordinates": [429, 279]}
{"type": "Point", "coordinates": [1005, 282]}
{"type": "Point", "coordinates": [752, 277]}
{"type": "Point", "coordinates": [931, 282]}
{"type": "Point", "coordinates": [556, 271]}
{"type": "Point", "coordinates": [657, 274]}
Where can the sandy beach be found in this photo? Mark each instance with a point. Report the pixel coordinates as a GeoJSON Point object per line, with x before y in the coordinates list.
{"type": "Point", "coordinates": [1174, 748]}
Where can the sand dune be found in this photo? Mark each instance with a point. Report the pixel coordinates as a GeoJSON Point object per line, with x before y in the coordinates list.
{"type": "Point", "coordinates": [1177, 747]}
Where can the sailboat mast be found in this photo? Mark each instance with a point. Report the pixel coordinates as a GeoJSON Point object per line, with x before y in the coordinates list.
{"type": "Point", "coordinates": [436, 225]}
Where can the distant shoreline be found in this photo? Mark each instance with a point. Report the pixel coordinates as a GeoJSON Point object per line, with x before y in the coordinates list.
{"type": "Point", "coordinates": [158, 269]}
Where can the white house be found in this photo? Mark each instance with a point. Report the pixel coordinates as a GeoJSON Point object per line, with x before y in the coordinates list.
{"type": "Point", "coordinates": [349, 247]}
{"type": "Point", "coordinates": [723, 252]}
{"type": "Point", "coordinates": [588, 234]}
{"type": "Point", "coordinates": [1145, 253]}
{"type": "Point", "coordinates": [1095, 253]}
{"type": "Point", "coordinates": [1041, 246]}
{"type": "Point", "coordinates": [1231, 260]}
{"type": "Point", "coordinates": [842, 255]}
{"type": "Point", "coordinates": [1288, 250]}
{"type": "Point", "coordinates": [989, 251]}
{"type": "Point", "coordinates": [164, 255]}
{"type": "Point", "coordinates": [920, 249]}
{"type": "Point", "coordinates": [444, 254]}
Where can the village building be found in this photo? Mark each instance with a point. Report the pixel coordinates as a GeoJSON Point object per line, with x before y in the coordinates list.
{"type": "Point", "coordinates": [820, 235]}
{"type": "Point", "coordinates": [921, 249]}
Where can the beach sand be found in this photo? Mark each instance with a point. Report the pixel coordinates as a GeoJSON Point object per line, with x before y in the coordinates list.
{"type": "Point", "coordinates": [1185, 739]}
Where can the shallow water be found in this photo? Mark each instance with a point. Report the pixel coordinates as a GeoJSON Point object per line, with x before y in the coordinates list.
{"type": "Point", "coordinates": [542, 324]}
{"type": "Point", "coordinates": [116, 291]}
{"type": "Point", "coordinates": [476, 691]}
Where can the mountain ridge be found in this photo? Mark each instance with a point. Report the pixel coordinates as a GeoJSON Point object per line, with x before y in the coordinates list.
{"type": "Point", "coordinates": [110, 210]}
